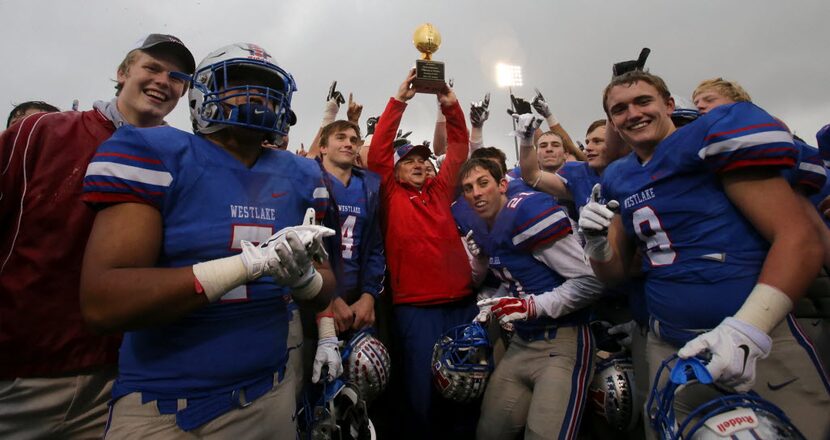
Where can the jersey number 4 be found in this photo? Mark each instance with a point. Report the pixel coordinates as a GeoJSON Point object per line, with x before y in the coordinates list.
{"type": "Point", "coordinates": [347, 236]}
{"type": "Point", "coordinates": [658, 244]}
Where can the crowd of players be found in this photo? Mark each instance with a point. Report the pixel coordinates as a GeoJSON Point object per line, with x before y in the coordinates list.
{"type": "Point", "coordinates": [160, 283]}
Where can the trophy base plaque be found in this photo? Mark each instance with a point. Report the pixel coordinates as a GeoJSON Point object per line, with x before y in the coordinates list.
{"type": "Point", "coordinates": [429, 76]}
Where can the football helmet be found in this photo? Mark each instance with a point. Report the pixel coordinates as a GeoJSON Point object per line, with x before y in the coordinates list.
{"type": "Point", "coordinates": [338, 413]}
{"type": "Point", "coordinates": [462, 360]}
{"type": "Point", "coordinates": [366, 364]}
{"type": "Point", "coordinates": [241, 70]}
{"type": "Point", "coordinates": [612, 393]}
{"type": "Point", "coordinates": [684, 111]}
{"type": "Point", "coordinates": [730, 415]}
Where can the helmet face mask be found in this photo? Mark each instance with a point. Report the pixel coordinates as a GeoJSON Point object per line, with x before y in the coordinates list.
{"type": "Point", "coordinates": [338, 412]}
{"type": "Point", "coordinates": [241, 85]}
{"type": "Point", "coordinates": [462, 360]}
{"type": "Point", "coordinates": [728, 415]}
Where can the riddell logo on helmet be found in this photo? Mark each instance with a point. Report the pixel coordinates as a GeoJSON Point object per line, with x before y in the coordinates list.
{"type": "Point", "coordinates": [735, 421]}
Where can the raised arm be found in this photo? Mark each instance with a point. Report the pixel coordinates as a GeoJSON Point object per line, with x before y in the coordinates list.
{"type": "Point", "coordinates": [541, 106]}
{"type": "Point", "coordinates": [381, 154]}
{"type": "Point", "coordinates": [457, 141]}
{"type": "Point", "coordinates": [529, 163]}
{"type": "Point", "coordinates": [333, 101]}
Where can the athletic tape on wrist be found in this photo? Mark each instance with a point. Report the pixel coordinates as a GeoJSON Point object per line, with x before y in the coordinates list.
{"type": "Point", "coordinates": [765, 307]}
{"type": "Point", "coordinates": [310, 288]}
{"type": "Point", "coordinates": [219, 276]}
{"type": "Point", "coordinates": [552, 122]}
{"type": "Point", "coordinates": [325, 328]}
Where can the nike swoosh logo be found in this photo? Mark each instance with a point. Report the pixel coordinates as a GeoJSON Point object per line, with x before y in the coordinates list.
{"type": "Point", "coordinates": [780, 385]}
{"type": "Point", "coordinates": [275, 195]}
{"type": "Point", "coordinates": [259, 112]}
{"type": "Point", "coordinates": [745, 348]}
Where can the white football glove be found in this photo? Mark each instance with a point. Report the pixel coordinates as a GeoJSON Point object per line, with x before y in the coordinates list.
{"type": "Point", "coordinates": [328, 352]}
{"type": "Point", "coordinates": [526, 125]}
{"type": "Point", "coordinates": [472, 246]}
{"type": "Point", "coordinates": [594, 221]}
{"type": "Point", "coordinates": [735, 347]}
{"type": "Point", "coordinates": [509, 309]}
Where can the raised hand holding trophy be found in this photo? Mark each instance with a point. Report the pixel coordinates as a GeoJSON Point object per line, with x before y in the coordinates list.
{"type": "Point", "coordinates": [429, 74]}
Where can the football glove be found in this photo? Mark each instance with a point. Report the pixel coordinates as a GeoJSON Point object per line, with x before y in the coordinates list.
{"type": "Point", "coordinates": [508, 309]}
{"type": "Point", "coordinates": [735, 347]}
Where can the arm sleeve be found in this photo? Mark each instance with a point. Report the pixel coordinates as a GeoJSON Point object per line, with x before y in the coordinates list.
{"type": "Point", "coordinates": [458, 147]}
{"type": "Point", "coordinates": [539, 221]}
{"type": "Point", "coordinates": [809, 174]}
{"type": "Point", "coordinates": [126, 168]}
{"type": "Point", "coordinates": [381, 153]}
{"type": "Point", "coordinates": [746, 136]}
{"type": "Point", "coordinates": [375, 269]}
{"type": "Point", "coordinates": [581, 287]}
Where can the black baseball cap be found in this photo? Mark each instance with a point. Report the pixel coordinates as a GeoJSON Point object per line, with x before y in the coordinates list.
{"type": "Point", "coordinates": [173, 46]}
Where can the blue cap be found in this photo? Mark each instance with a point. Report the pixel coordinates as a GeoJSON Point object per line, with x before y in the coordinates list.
{"type": "Point", "coordinates": [407, 149]}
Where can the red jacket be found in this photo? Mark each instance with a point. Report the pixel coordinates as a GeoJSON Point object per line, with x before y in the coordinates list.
{"type": "Point", "coordinates": [43, 160]}
{"type": "Point", "coordinates": [424, 253]}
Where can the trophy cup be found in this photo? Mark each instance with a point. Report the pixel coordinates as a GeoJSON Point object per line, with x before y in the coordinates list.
{"type": "Point", "coordinates": [429, 74]}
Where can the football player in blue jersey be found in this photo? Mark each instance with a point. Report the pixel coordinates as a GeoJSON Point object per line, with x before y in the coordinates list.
{"type": "Point", "coordinates": [722, 268]}
{"type": "Point", "coordinates": [530, 247]}
{"type": "Point", "coordinates": [172, 258]}
{"type": "Point", "coordinates": [355, 192]}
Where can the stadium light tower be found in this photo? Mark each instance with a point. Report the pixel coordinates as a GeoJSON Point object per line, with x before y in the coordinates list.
{"type": "Point", "coordinates": [509, 75]}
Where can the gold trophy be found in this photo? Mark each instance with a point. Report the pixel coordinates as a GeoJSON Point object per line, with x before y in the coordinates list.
{"type": "Point", "coordinates": [429, 74]}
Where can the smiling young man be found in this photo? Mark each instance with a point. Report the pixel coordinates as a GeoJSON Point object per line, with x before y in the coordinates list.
{"type": "Point", "coordinates": [530, 248]}
{"type": "Point", "coordinates": [56, 374]}
{"type": "Point", "coordinates": [204, 308]}
{"type": "Point", "coordinates": [357, 194]}
{"type": "Point", "coordinates": [722, 268]}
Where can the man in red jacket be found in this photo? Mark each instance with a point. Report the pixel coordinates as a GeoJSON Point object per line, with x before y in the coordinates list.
{"type": "Point", "coordinates": [55, 374]}
{"type": "Point", "coordinates": [430, 277]}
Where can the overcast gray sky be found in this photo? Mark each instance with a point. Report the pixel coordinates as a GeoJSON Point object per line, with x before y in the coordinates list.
{"type": "Point", "coordinates": [58, 51]}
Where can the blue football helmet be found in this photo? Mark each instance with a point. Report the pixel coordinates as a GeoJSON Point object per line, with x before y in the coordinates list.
{"type": "Point", "coordinates": [730, 416]}
{"type": "Point", "coordinates": [241, 70]}
{"type": "Point", "coordinates": [333, 411]}
{"type": "Point", "coordinates": [462, 360]}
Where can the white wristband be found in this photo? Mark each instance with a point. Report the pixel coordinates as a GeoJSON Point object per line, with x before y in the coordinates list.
{"type": "Point", "coordinates": [552, 122]}
{"type": "Point", "coordinates": [330, 113]}
{"type": "Point", "coordinates": [219, 276]}
{"type": "Point", "coordinates": [310, 288]}
{"type": "Point", "coordinates": [765, 307]}
{"type": "Point", "coordinates": [325, 328]}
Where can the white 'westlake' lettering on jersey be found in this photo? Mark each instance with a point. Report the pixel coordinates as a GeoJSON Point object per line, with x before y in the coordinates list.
{"type": "Point", "coordinates": [640, 197]}
{"type": "Point", "coordinates": [253, 212]}
{"type": "Point", "coordinates": [349, 209]}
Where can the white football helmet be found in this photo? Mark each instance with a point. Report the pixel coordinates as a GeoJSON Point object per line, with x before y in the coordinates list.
{"type": "Point", "coordinates": [734, 416]}
{"type": "Point", "coordinates": [241, 70]}
{"type": "Point", "coordinates": [366, 364]}
{"type": "Point", "coordinates": [612, 393]}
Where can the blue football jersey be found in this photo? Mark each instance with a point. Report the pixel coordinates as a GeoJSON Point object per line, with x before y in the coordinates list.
{"type": "Point", "coordinates": [209, 202]}
{"type": "Point", "coordinates": [580, 179]}
{"type": "Point", "coordinates": [528, 221]}
{"type": "Point", "coordinates": [351, 202]}
{"type": "Point", "coordinates": [694, 240]}
{"type": "Point", "coordinates": [809, 174]}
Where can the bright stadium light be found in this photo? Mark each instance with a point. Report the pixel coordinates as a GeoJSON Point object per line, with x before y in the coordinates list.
{"type": "Point", "coordinates": [508, 75]}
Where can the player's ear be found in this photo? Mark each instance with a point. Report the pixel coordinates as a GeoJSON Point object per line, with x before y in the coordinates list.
{"type": "Point", "coordinates": [670, 104]}
{"type": "Point", "coordinates": [503, 185]}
